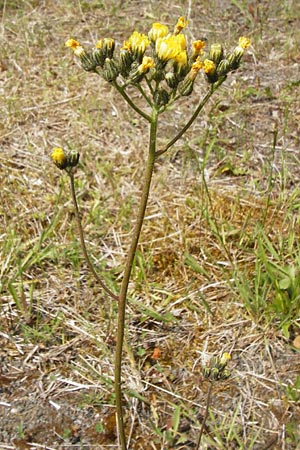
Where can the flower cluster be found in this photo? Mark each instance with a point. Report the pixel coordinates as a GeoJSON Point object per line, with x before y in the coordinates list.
{"type": "Point", "coordinates": [217, 368]}
{"type": "Point", "coordinates": [164, 58]}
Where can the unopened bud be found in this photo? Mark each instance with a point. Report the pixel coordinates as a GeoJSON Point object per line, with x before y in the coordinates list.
{"type": "Point", "coordinates": [171, 79]}
{"type": "Point", "coordinates": [72, 158]}
{"type": "Point", "coordinates": [161, 97]}
{"type": "Point", "coordinates": [224, 67]}
{"type": "Point", "coordinates": [110, 70]}
{"type": "Point", "coordinates": [216, 53]}
{"type": "Point", "coordinates": [125, 62]}
{"type": "Point", "coordinates": [186, 87]}
{"type": "Point", "coordinates": [108, 47]}
{"type": "Point", "coordinates": [98, 53]}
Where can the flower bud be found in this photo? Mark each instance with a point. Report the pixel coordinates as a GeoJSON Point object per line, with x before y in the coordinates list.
{"type": "Point", "coordinates": [98, 56]}
{"type": "Point", "coordinates": [108, 47]}
{"type": "Point", "coordinates": [72, 158]}
{"type": "Point", "coordinates": [186, 87]}
{"type": "Point", "coordinates": [161, 97]}
{"type": "Point", "coordinates": [125, 61]}
{"type": "Point", "coordinates": [171, 80]}
{"type": "Point", "coordinates": [110, 70]}
{"type": "Point", "coordinates": [216, 53]}
{"type": "Point", "coordinates": [223, 67]}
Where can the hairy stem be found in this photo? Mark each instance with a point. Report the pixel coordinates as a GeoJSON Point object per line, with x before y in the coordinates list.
{"type": "Point", "coordinates": [208, 398]}
{"type": "Point", "coordinates": [193, 117]}
{"type": "Point", "coordinates": [126, 277]}
{"type": "Point", "coordinates": [126, 97]}
{"type": "Point", "coordinates": [82, 241]}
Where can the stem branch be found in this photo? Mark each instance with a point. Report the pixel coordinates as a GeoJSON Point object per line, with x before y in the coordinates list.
{"type": "Point", "coordinates": [82, 241]}
{"type": "Point", "coordinates": [193, 117]}
{"type": "Point", "coordinates": [130, 102]}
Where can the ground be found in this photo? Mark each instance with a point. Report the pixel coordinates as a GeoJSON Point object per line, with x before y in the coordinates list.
{"type": "Point", "coordinates": [217, 267]}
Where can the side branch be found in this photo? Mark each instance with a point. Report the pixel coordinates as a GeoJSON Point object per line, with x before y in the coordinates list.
{"type": "Point", "coordinates": [194, 116]}
{"type": "Point", "coordinates": [130, 102]}
{"type": "Point", "coordinates": [82, 241]}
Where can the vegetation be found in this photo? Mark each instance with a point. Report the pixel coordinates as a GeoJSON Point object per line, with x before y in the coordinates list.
{"type": "Point", "coordinates": [216, 268]}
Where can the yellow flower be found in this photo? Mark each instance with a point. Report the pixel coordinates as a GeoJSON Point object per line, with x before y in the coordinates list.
{"type": "Point", "coordinates": [225, 358]}
{"type": "Point", "coordinates": [169, 47]}
{"type": "Point", "coordinates": [147, 64]}
{"type": "Point", "coordinates": [138, 43]}
{"type": "Point", "coordinates": [196, 67]}
{"type": "Point", "coordinates": [126, 46]}
{"type": "Point", "coordinates": [181, 59]}
{"type": "Point", "coordinates": [209, 66]}
{"type": "Point", "coordinates": [59, 158]}
{"type": "Point", "coordinates": [99, 44]}
{"type": "Point", "coordinates": [244, 42]}
{"type": "Point", "coordinates": [158, 30]}
{"type": "Point", "coordinates": [72, 43]}
{"type": "Point", "coordinates": [181, 23]}
{"type": "Point", "coordinates": [197, 47]}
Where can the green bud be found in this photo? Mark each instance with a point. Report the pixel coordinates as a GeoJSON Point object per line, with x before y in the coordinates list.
{"type": "Point", "coordinates": [216, 53]}
{"type": "Point", "coordinates": [72, 158]}
{"type": "Point", "coordinates": [125, 62]}
{"type": "Point", "coordinates": [186, 87]}
{"type": "Point", "coordinates": [161, 97]}
{"type": "Point", "coordinates": [87, 62]}
{"type": "Point", "coordinates": [108, 46]}
{"type": "Point", "coordinates": [224, 67]}
{"type": "Point", "coordinates": [171, 79]}
{"type": "Point", "coordinates": [98, 56]}
{"type": "Point", "coordinates": [110, 70]}
{"type": "Point", "coordinates": [206, 372]}
{"type": "Point", "coordinates": [225, 374]}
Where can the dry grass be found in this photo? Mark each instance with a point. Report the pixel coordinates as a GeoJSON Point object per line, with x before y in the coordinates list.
{"type": "Point", "coordinates": [201, 285]}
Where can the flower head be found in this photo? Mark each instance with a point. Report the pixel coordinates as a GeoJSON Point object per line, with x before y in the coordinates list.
{"type": "Point", "coordinates": [209, 66]}
{"type": "Point", "coordinates": [137, 44]}
{"type": "Point", "coordinates": [244, 42]}
{"type": "Point", "coordinates": [225, 358]}
{"type": "Point", "coordinates": [72, 43]}
{"type": "Point", "coordinates": [59, 158]}
{"type": "Point", "coordinates": [180, 62]}
{"type": "Point", "coordinates": [181, 23]}
{"type": "Point", "coordinates": [147, 64]}
{"type": "Point", "coordinates": [197, 48]}
{"type": "Point", "coordinates": [235, 57]}
{"type": "Point", "coordinates": [196, 67]}
{"type": "Point", "coordinates": [63, 160]}
{"type": "Point", "coordinates": [158, 30]}
{"type": "Point", "coordinates": [169, 47]}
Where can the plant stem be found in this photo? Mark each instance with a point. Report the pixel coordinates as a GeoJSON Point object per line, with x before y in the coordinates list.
{"type": "Point", "coordinates": [82, 241]}
{"type": "Point", "coordinates": [194, 116]}
{"type": "Point", "coordinates": [121, 90]}
{"type": "Point", "coordinates": [126, 277]}
{"type": "Point", "coordinates": [205, 415]}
